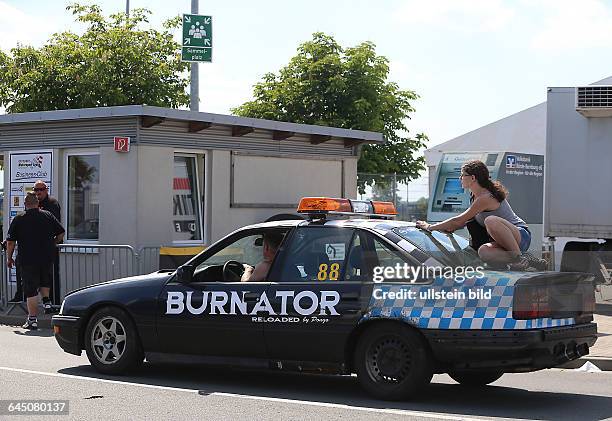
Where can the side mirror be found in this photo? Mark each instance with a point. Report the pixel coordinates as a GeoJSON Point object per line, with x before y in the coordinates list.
{"type": "Point", "coordinates": [184, 274]}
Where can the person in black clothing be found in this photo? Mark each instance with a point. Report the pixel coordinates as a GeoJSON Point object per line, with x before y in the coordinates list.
{"type": "Point", "coordinates": [47, 202]}
{"type": "Point", "coordinates": [36, 232]}
{"type": "Point", "coordinates": [50, 204]}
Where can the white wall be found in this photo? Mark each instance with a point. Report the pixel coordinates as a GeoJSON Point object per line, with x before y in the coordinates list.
{"type": "Point", "coordinates": [154, 207]}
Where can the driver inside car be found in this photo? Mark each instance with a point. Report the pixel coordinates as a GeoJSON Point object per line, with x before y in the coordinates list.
{"type": "Point", "coordinates": [271, 242]}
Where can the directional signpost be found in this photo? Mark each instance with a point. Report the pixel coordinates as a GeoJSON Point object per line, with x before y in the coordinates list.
{"type": "Point", "coordinates": [197, 38]}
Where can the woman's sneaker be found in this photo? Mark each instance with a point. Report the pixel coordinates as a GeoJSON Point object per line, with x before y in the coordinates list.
{"type": "Point", "coordinates": [520, 263]}
{"type": "Point", "coordinates": [536, 262]}
{"type": "Point", "coordinates": [30, 324]}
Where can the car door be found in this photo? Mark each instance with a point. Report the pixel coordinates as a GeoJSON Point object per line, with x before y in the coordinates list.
{"type": "Point", "coordinates": [212, 315]}
{"type": "Point", "coordinates": [319, 292]}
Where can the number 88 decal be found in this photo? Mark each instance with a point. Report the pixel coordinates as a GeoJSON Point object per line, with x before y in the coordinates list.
{"type": "Point", "coordinates": [332, 275]}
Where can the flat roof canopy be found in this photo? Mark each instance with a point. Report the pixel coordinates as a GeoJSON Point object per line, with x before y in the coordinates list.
{"type": "Point", "coordinates": [197, 121]}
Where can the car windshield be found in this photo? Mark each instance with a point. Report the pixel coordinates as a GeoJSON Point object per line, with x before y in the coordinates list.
{"type": "Point", "coordinates": [449, 249]}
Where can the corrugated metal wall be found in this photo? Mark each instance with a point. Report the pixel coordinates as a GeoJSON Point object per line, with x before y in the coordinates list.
{"type": "Point", "coordinates": [176, 133]}
{"type": "Point", "coordinates": [66, 134]}
{"type": "Point", "coordinates": [98, 132]}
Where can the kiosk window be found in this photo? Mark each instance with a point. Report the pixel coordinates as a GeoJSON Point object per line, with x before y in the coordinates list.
{"type": "Point", "coordinates": [83, 197]}
{"type": "Point", "coordinates": [185, 204]}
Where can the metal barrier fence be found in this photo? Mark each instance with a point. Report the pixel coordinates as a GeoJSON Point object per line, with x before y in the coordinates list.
{"type": "Point", "coordinates": [148, 259]}
{"type": "Point", "coordinates": [86, 264]}
{"type": "Point", "coordinates": [3, 282]}
{"type": "Point", "coordinates": [82, 265]}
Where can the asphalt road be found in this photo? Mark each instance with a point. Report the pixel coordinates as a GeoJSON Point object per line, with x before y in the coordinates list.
{"type": "Point", "coordinates": [32, 366]}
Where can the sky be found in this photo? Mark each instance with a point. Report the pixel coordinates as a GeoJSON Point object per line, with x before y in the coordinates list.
{"type": "Point", "coordinates": [471, 62]}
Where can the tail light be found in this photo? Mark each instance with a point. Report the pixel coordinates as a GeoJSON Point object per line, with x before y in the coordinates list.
{"type": "Point", "coordinates": [531, 302]}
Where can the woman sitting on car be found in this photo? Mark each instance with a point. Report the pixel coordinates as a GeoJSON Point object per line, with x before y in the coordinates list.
{"type": "Point", "coordinates": [489, 207]}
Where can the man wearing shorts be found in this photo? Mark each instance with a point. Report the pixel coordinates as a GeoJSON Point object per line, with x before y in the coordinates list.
{"type": "Point", "coordinates": [36, 233]}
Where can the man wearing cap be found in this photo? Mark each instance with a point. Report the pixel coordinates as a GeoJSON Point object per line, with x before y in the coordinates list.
{"type": "Point", "coordinates": [49, 203]}
{"type": "Point", "coordinates": [36, 232]}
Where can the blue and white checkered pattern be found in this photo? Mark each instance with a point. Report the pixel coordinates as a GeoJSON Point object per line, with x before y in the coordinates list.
{"type": "Point", "coordinates": [426, 311]}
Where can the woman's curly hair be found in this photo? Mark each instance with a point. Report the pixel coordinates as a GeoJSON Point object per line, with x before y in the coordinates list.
{"type": "Point", "coordinates": [479, 170]}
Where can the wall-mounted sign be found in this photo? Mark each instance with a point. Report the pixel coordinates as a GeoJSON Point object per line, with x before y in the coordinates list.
{"type": "Point", "coordinates": [25, 169]}
{"type": "Point", "coordinates": [122, 144]}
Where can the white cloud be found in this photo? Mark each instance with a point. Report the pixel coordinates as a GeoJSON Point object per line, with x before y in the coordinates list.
{"type": "Point", "coordinates": [457, 15]}
{"type": "Point", "coordinates": [19, 27]}
{"type": "Point", "coordinates": [573, 25]}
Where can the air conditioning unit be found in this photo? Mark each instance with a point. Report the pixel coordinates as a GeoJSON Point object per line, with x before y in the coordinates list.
{"type": "Point", "coordinates": [594, 100]}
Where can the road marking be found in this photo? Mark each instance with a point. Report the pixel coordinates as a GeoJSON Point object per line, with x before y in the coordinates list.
{"type": "Point", "coordinates": [72, 376]}
{"type": "Point", "coordinates": [433, 415]}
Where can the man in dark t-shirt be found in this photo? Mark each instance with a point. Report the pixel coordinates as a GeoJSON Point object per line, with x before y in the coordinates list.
{"type": "Point", "coordinates": [36, 232]}
{"type": "Point", "coordinates": [49, 203]}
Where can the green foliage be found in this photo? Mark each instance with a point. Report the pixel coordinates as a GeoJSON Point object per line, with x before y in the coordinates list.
{"type": "Point", "coordinates": [114, 62]}
{"type": "Point", "coordinates": [327, 85]}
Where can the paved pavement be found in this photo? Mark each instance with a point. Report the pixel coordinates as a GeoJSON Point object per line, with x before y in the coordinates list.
{"type": "Point", "coordinates": [33, 366]}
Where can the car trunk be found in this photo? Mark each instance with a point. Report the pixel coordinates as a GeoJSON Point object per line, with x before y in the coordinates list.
{"type": "Point", "coordinates": [556, 295]}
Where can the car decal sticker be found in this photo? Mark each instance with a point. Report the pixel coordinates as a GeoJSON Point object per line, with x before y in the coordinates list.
{"type": "Point", "coordinates": [477, 303]}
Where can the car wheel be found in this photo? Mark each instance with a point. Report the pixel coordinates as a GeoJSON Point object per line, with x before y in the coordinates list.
{"type": "Point", "coordinates": [392, 362]}
{"type": "Point", "coordinates": [475, 378]}
{"type": "Point", "coordinates": [112, 343]}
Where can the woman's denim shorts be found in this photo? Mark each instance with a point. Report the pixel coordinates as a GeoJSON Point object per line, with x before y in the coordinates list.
{"type": "Point", "coordinates": [525, 239]}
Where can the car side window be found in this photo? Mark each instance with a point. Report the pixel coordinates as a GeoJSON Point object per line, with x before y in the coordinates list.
{"type": "Point", "coordinates": [360, 262]}
{"type": "Point", "coordinates": [316, 254]}
{"type": "Point", "coordinates": [246, 249]}
{"type": "Point", "coordinates": [368, 252]}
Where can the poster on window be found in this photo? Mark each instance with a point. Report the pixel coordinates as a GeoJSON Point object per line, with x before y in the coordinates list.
{"type": "Point", "coordinates": [25, 168]}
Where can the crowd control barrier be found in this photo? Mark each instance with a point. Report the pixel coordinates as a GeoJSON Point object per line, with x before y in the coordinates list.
{"type": "Point", "coordinates": [87, 264]}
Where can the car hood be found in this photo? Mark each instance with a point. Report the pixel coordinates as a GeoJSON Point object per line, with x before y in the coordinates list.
{"type": "Point", "coordinates": [151, 279]}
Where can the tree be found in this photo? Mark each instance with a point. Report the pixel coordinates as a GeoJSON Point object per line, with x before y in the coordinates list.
{"type": "Point", "coordinates": [114, 62]}
{"type": "Point", "coordinates": [327, 85]}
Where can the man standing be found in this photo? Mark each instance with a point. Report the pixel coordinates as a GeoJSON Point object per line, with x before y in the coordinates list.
{"type": "Point", "coordinates": [36, 232]}
{"type": "Point", "coordinates": [47, 202]}
{"type": "Point", "coordinates": [50, 204]}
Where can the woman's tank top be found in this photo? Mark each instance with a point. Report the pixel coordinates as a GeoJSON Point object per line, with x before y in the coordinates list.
{"type": "Point", "coordinates": [503, 211]}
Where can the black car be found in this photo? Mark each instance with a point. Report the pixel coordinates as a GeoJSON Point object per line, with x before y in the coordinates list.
{"type": "Point", "coordinates": [324, 308]}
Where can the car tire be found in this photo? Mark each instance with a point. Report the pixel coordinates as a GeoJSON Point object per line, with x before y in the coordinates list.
{"type": "Point", "coordinates": [475, 378]}
{"type": "Point", "coordinates": [392, 362]}
{"type": "Point", "coordinates": [112, 343]}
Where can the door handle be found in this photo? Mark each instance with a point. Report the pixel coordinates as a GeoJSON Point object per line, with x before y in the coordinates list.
{"type": "Point", "coordinates": [251, 296]}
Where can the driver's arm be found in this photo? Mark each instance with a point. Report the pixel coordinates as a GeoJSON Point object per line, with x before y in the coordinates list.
{"type": "Point", "coordinates": [246, 275]}
{"type": "Point", "coordinates": [256, 274]}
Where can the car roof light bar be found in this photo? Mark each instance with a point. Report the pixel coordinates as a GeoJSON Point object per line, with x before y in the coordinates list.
{"type": "Point", "coordinates": [322, 206]}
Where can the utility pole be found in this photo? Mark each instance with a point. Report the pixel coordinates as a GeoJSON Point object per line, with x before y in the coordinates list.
{"type": "Point", "coordinates": [194, 102]}
{"type": "Point", "coordinates": [127, 7]}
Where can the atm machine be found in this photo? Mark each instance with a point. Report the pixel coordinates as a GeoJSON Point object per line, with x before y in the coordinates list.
{"type": "Point", "coordinates": [522, 174]}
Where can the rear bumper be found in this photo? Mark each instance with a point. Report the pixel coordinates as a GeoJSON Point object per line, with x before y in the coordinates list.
{"type": "Point", "coordinates": [68, 336]}
{"type": "Point", "coordinates": [511, 350]}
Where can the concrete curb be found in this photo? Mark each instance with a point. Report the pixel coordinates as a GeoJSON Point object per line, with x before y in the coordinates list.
{"type": "Point", "coordinates": [603, 363]}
